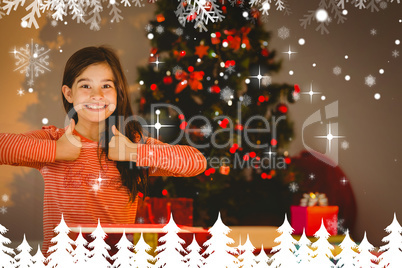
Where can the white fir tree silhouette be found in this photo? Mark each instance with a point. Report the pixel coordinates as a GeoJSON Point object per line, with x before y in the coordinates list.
{"type": "Point", "coordinates": [24, 258]}
{"type": "Point", "coordinates": [364, 258]}
{"type": "Point", "coordinates": [5, 259]}
{"type": "Point", "coordinates": [170, 253]}
{"type": "Point", "coordinates": [285, 251]}
{"type": "Point", "coordinates": [61, 252]}
{"type": "Point", "coordinates": [141, 257]}
{"type": "Point", "coordinates": [392, 255]}
{"type": "Point", "coordinates": [38, 259]}
{"type": "Point", "coordinates": [124, 257]}
{"type": "Point", "coordinates": [80, 254]}
{"type": "Point", "coordinates": [194, 259]}
{"type": "Point", "coordinates": [247, 258]}
{"type": "Point", "coordinates": [99, 252]}
{"type": "Point", "coordinates": [323, 248]}
{"type": "Point", "coordinates": [262, 259]}
{"type": "Point", "coordinates": [218, 252]}
{"type": "Point", "coordinates": [304, 253]}
{"type": "Point", "coordinates": [346, 258]}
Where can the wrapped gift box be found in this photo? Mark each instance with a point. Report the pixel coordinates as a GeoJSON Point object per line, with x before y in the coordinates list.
{"type": "Point", "coordinates": [309, 218]}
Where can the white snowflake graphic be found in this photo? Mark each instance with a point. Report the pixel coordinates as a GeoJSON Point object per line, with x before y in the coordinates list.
{"type": "Point", "coordinates": [5, 197]}
{"type": "Point", "coordinates": [345, 145]}
{"type": "Point", "coordinates": [20, 92]}
{"type": "Point", "coordinates": [311, 176]}
{"type": "Point", "coordinates": [296, 96]}
{"type": "Point", "coordinates": [176, 69]}
{"type": "Point", "coordinates": [283, 32]}
{"type": "Point", "coordinates": [337, 70]}
{"type": "Point", "coordinates": [227, 94]}
{"type": "Point", "coordinates": [159, 29]}
{"type": "Point", "coordinates": [373, 31]}
{"type": "Point", "coordinates": [245, 100]}
{"type": "Point", "coordinates": [149, 28]}
{"type": "Point", "coordinates": [206, 130]}
{"type": "Point", "coordinates": [341, 228]}
{"type": "Point", "coordinates": [369, 80]}
{"type": "Point", "coordinates": [53, 23]}
{"type": "Point", "coordinates": [293, 187]}
{"type": "Point", "coordinates": [332, 224]}
{"type": "Point", "coordinates": [162, 220]}
{"type": "Point", "coordinates": [3, 210]}
{"type": "Point", "coordinates": [31, 60]}
{"type": "Point", "coordinates": [179, 31]}
{"type": "Point", "coordinates": [199, 11]}
{"type": "Point", "coordinates": [140, 220]}
{"type": "Point", "coordinates": [266, 80]}
{"type": "Point", "coordinates": [395, 53]}
{"type": "Point", "coordinates": [383, 5]}
{"type": "Point", "coordinates": [230, 69]}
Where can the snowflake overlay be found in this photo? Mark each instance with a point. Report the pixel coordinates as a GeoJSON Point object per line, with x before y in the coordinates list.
{"type": "Point", "coordinates": [337, 70]}
{"type": "Point", "coordinates": [283, 32]}
{"type": "Point", "coordinates": [199, 11]}
{"type": "Point", "coordinates": [293, 187]}
{"type": "Point", "coordinates": [31, 60]}
{"type": "Point", "coordinates": [369, 80]}
{"type": "Point", "coordinates": [227, 94]}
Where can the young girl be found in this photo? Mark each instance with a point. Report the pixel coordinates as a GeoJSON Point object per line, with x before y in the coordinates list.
{"type": "Point", "coordinates": [95, 167]}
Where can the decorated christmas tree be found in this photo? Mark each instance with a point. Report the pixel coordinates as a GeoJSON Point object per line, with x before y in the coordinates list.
{"type": "Point", "coordinates": [209, 84]}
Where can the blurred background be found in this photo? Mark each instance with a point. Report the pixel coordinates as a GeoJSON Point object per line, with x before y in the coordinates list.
{"type": "Point", "coordinates": [356, 64]}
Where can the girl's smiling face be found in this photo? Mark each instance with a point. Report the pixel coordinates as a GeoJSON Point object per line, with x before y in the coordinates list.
{"type": "Point", "coordinates": [93, 93]}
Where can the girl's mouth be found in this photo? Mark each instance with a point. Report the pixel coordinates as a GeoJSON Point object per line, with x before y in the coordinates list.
{"type": "Point", "coordinates": [95, 107]}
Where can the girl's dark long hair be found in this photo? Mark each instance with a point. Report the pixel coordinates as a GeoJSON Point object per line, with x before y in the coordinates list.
{"type": "Point", "coordinates": [132, 177]}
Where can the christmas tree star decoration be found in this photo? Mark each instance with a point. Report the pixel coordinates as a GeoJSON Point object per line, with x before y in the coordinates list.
{"type": "Point", "coordinates": [330, 136]}
{"type": "Point", "coordinates": [157, 62]}
{"type": "Point", "coordinates": [259, 77]}
{"type": "Point", "coordinates": [311, 93]}
{"type": "Point", "coordinates": [369, 80]}
{"type": "Point", "coordinates": [31, 60]}
{"type": "Point", "coordinates": [201, 51]}
{"type": "Point", "coordinates": [289, 52]}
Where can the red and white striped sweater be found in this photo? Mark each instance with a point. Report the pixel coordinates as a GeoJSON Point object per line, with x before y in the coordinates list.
{"type": "Point", "coordinates": [73, 188]}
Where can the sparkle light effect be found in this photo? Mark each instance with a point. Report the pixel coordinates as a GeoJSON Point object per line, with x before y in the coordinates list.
{"type": "Point", "coordinates": [157, 62]}
{"type": "Point", "coordinates": [293, 187]}
{"type": "Point", "coordinates": [311, 93]}
{"type": "Point", "coordinates": [344, 181]}
{"type": "Point", "coordinates": [329, 137]}
{"type": "Point", "coordinates": [311, 176]}
{"type": "Point", "coordinates": [321, 15]}
{"type": "Point", "coordinates": [5, 198]}
{"type": "Point", "coordinates": [20, 92]}
{"type": "Point", "coordinates": [31, 60]}
{"type": "Point", "coordinates": [345, 145]}
{"type": "Point", "coordinates": [259, 77]}
{"type": "Point", "coordinates": [158, 125]}
{"type": "Point", "coordinates": [289, 52]}
{"type": "Point", "coordinates": [3, 210]}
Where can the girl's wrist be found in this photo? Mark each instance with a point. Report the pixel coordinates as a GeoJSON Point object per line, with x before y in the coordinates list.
{"type": "Point", "coordinates": [132, 152]}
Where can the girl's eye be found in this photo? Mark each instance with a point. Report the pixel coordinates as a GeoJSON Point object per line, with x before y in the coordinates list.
{"type": "Point", "coordinates": [85, 86]}
{"type": "Point", "coordinates": [107, 86]}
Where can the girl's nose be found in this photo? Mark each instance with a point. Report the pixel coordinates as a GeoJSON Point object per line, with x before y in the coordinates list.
{"type": "Point", "coordinates": [96, 94]}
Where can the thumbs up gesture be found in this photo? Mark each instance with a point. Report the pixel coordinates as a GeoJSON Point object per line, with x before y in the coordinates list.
{"type": "Point", "coordinates": [68, 147]}
{"type": "Point", "coordinates": [121, 148]}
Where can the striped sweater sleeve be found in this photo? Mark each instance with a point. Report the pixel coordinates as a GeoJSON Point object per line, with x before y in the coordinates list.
{"type": "Point", "coordinates": [170, 160]}
{"type": "Point", "coordinates": [31, 149]}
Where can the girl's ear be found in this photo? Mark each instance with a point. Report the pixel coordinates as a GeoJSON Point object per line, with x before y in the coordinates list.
{"type": "Point", "coordinates": [68, 93]}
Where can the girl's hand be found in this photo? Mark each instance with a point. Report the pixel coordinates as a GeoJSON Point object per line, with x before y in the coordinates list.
{"type": "Point", "coordinates": [68, 147]}
{"type": "Point", "coordinates": [121, 148]}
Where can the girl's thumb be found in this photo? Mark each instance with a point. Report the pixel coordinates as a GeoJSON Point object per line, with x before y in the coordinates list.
{"type": "Point", "coordinates": [71, 127]}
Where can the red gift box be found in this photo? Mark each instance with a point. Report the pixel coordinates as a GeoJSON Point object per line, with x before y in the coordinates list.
{"type": "Point", "coordinates": [309, 218]}
{"type": "Point", "coordinates": [153, 210]}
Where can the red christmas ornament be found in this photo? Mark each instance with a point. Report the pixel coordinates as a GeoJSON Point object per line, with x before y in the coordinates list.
{"type": "Point", "coordinates": [264, 175]}
{"type": "Point", "coordinates": [264, 52]}
{"type": "Point", "coordinates": [190, 69]}
{"type": "Point", "coordinates": [246, 157]}
{"type": "Point", "coordinates": [160, 18]}
{"type": "Point", "coordinates": [182, 53]}
{"type": "Point", "coordinates": [164, 192]}
{"type": "Point", "coordinates": [167, 80]}
{"type": "Point", "coordinates": [154, 87]}
{"type": "Point", "coordinates": [287, 160]}
{"type": "Point", "coordinates": [181, 116]}
{"type": "Point", "coordinates": [224, 123]}
{"type": "Point", "coordinates": [140, 195]}
{"type": "Point", "coordinates": [261, 98]}
{"type": "Point", "coordinates": [215, 89]}
{"type": "Point", "coordinates": [297, 88]}
{"type": "Point", "coordinates": [282, 108]}
{"type": "Point", "coordinates": [192, 17]}
{"type": "Point", "coordinates": [274, 142]}
{"type": "Point", "coordinates": [252, 154]}
{"type": "Point", "coordinates": [183, 125]}
{"type": "Point", "coordinates": [208, 6]}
